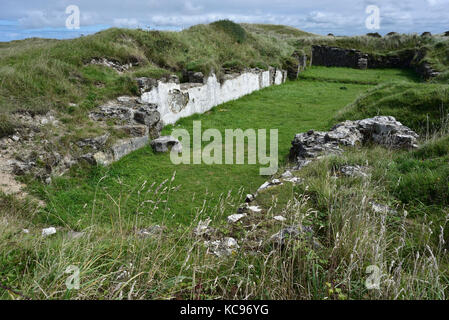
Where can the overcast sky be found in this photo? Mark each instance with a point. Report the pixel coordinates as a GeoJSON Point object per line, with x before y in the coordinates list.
{"type": "Point", "coordinates": [21, 19]}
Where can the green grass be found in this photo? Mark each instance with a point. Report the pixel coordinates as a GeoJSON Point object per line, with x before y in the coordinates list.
{"type": "Point", "coordinates": [423, 108]}
{"type": "Point", "coordinates": [39, 75]}
{"type": "Point", "coordinates": [372, 76]}
{"type": "Point", "coordinates": [422, 176]}
{"type": "Point", "coordinates": [110, 204]}
{"type": "Point", "coordinates": [291, 108]}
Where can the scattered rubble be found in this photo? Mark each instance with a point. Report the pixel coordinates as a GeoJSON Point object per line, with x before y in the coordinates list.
{"type": "Point", "coordinates": [120, 68]}
{"type": "Point", "coordinates": [223, 247]}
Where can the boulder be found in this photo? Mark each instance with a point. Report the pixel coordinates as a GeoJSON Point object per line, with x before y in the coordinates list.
{"type": "Point", "coordinates": [166, 144]}
{"type": "Point", "coordinates": [426, 34]}
{"type": "Point", "coordinates": [382, 130]}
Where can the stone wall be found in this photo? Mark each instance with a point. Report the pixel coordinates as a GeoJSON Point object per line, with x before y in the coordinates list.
{"type": "Point", "coordinates": [336, 57]}
{"type": "Point", "coordinates": [351, 58]}
{"type": "Point", "coordinates": [176, 101]}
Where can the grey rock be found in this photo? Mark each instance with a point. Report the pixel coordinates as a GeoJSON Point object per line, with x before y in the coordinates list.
{"type": "Point", "coordinates": [146, 84]}
{"type": "Point", "coordinates": [48, 231]}
{"type": "Point", "coordinates": [233, 218]}
{"type": "Point", "coordinates": [294, 232]}
{"type": "Point", "coordinates": [223, 247]}
{"type": "Point", "coordinates": [20, 168]}
{"type": "Point", "coordinates": [250, 198]}
{"type": "Point", "coordinates": [382, 130]}
{"type": "Point", "coordinates": [89, 158]}
{"type": "Point", "coordinates": [147, 115]}
{"type": "Point", "coordinates": [95, 143]}
{"type": "Point", "coordinates": [354, 171]}
{"type": "Point", "coordinates": [269, 184]}
{"type": "Point", "coordinates": [194, 77]}
{"type": "Point", "coordinates": [126, 146]}
{"type": "Point", "coordinates": [166, 144]}
{"type": "Point", "coordinates": [137, 130]}
{"type": "Point", "coordinates": [362, 63]}
{"type": "Point", "coordinates": [112, 64]}
{"type": "Point", "coordinates": [155, 131]}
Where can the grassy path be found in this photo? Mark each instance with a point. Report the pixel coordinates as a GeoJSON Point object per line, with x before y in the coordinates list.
{"type": "Point", "coordinates": [126, 187]}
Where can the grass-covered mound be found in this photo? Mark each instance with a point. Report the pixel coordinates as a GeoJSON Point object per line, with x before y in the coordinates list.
{"type": "Point", "coordinates": [424, 108]}
{"type": "Point", "coordinates": [40, 74]}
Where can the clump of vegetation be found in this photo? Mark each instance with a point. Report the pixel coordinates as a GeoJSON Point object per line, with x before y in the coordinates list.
{"type": "Point", "coordinates": [6, 125]}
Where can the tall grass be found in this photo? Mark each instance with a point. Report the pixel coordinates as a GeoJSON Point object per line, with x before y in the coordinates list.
{"type": "Point", "coordinates": [116, 263]}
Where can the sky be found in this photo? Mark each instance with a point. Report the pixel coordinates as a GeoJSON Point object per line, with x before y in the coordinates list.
{"type": "Point", "coordinates": [20, 19]}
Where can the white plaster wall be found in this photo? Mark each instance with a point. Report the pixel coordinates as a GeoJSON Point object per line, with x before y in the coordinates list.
{"type": "Point", "coordinates": [203, 97]}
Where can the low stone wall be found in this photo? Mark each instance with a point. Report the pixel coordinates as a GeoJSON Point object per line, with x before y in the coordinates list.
{"type": "Point", "coordinates": [176, 101]}
{"type": "Point", "coordinates": [336, 57]}
{"type": "Point", "coordinates": [351, 58]}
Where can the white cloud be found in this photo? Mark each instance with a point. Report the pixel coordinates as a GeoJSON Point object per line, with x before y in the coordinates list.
{"type": "Point", "coordinates": [126, 23]}
{"type": "Point", "coordinates": [319, 16]}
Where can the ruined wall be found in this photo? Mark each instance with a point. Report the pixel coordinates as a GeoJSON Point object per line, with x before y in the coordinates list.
{"type": "Point", "coordinates": [351, 58]}
{"type": "Point", "coordinates": [337, 57]}
{"type": "Point", "coordinates": [176, 101]}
